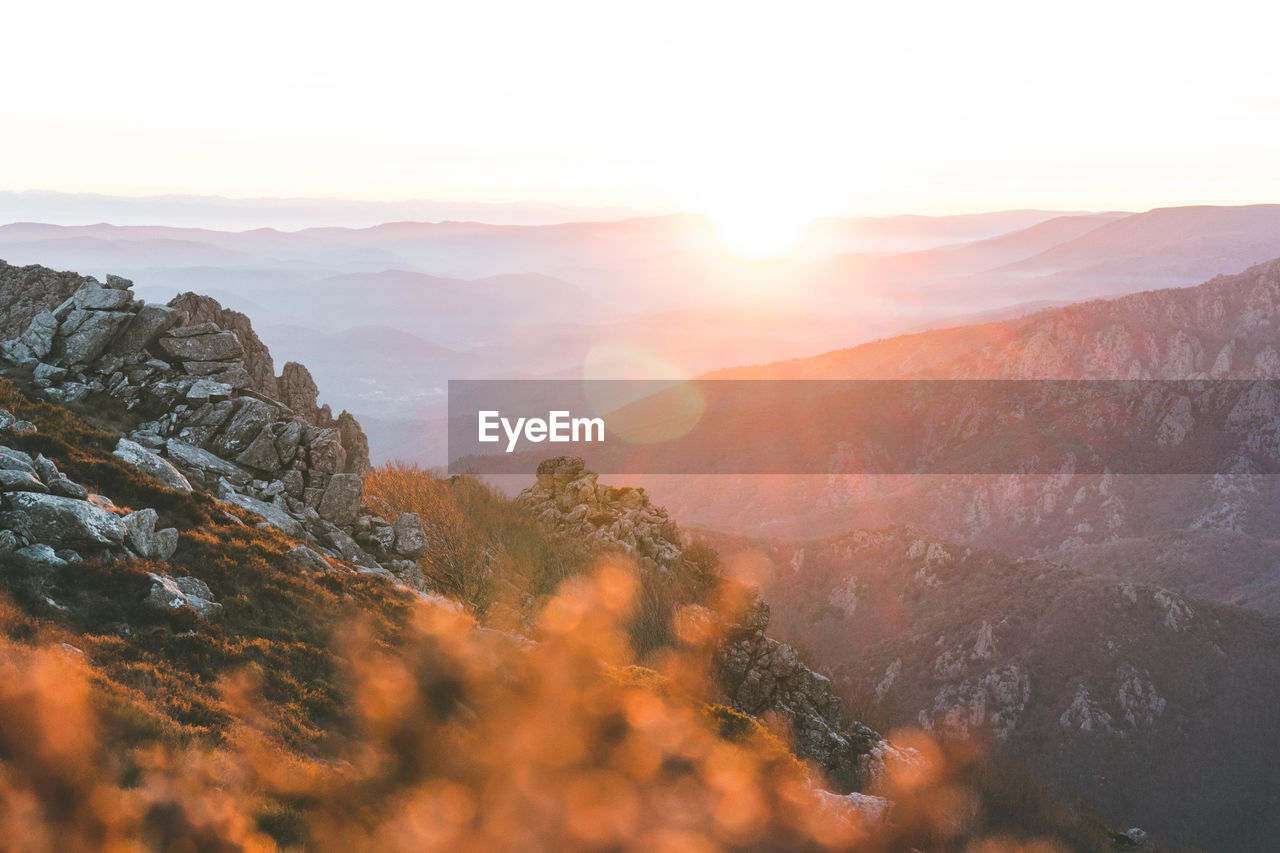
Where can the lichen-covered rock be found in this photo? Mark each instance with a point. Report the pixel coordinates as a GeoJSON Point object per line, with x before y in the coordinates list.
{"type": "Point", "coordinates": [170, 594]}
{"type": "Point", "coordinates": [38, 338]}
{"type": "Point", "coordinates": [42, 555]}
{"type": "Point", "coordinates": [216, 346]}
{"type": "Point", "coordinates": [20, 481]}
{"type": "Point", "coordinates": [569, 498]}
{"type": "Point", "coordinates": [298, 390]}
{"type": "Point", "coordinates": [354, 443]}
{"type": "Point", "coordinates": [195, 308]}
{"type": "Point", "coordinates": [151, 321]}
{"type": "Point", "coordinates": [95, 298]}
{"type": "Point", "coordinates": [410, 538]}
{"type": "Point", "coordinates": [309, 561]}
{"type": "Point", "coordinates": [57, 520]}
{"type": "Point", "coordinates": [67, 489]}
{"type": "Point", "coordinates": [90, 339]}
{"type": "Point", "coordinates": [326, 452]}
{"type": "Point", "coordinates": [342, 497]}
{"type": "Point", "coordinates": [146, 541]}
{"type": "Point", "coordinates": [152, 464]}
{"type": "Point", "coordinates": [205, 466]}
{"type": "Point", "coordinates": [759, 675]}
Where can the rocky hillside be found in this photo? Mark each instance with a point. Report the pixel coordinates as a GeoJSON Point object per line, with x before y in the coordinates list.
{"type": "Point", "coordinates": [251, 658]}
{"type": "Point", "coordinates": [196, 416]}
{"type": "Point", "coordinates": [1144, 703]}
{"type": "Point", "coordinates": [757, 674]}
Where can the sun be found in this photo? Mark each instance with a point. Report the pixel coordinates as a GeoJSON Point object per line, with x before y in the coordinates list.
{"type": "Point", "coordinates": [758, 232]}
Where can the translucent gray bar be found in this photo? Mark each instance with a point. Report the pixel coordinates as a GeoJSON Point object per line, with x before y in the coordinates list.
{"type": "Point", "coordinates": [868, 426]}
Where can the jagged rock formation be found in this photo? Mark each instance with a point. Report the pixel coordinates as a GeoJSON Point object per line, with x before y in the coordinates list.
{"type": "Point", "coordinates": [27, 291]}
{"type": "Point", "coordinates": [758, 675]}
{"type": "Point", "coordinates": [196, 309]}
{"type": "Point", "coordinates": [299, 392]}
{"type": "Point", "coordinates": [294, 386]}
{"type": "Point", "coordinates": [568, 499]}
{"type": "Point", "coordinates": [203, 422]}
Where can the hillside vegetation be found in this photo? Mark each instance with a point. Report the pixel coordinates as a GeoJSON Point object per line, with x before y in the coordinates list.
{"type": "Point", "coordinates": [337, 709]}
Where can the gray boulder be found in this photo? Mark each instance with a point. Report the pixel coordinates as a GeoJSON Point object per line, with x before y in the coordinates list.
{"type": "Point", "coordinates": [165, 543]}
{"type": "Point", "coordinates": [152, 465]}
{"type": "Point", "coordinates": [411, 539]}
{"type": "Point", "coordinates": [204, 390]}
{"type": "Point", "coordinates": [91, 338]}
{"type": "Point", "coordinates": [20, 481]}
{"type": "Point", "coordinates": [45, 469]}
{"type": "Point", "coordinates": [46, 374]}
{"type": "Point", "coordinates": [170, 594]}
{"type": "Point", "coordinates": [38, 338]}
{"type": "Point", "coordinates": [140, 531]}
{"type": "Point", "coordinates": [250, 418]}
{"type": "Point", "coordinates": [261, 453]}
{"type": "Point", "coordinates": [63, 521]}
{"type": "Point", "coordinates": [147, 325]}
{"type": "Point", "coordinates": [95, 298]}
{"type": "Point", "coordinates": [196, 329]}
{"type": "Point", "coordinates": [326, 453]}
{"type": "Point", "coordinates": [68, 489]}
{"type": "Point", "coordinates": [218, 346]}
{"type": "Point", "coordinates": [42, 555]}
{"type": "Point", "coordinates": [209, 466]}
{"type": "Point", "coordinates": [16, 460]}
{"type": "Point", "coordinates": [276, 516]}
{"type": "Point", "coordinates": [309, 561]}
{"type": "Point", "coordinates": [342, 498]}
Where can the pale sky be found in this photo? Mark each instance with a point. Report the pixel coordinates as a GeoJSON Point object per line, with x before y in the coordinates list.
{"type": "Point", "coordinates": [776, 111]}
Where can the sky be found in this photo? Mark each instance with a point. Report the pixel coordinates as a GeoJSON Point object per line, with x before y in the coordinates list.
{"type": "Point", "coordinates": [759, 115]}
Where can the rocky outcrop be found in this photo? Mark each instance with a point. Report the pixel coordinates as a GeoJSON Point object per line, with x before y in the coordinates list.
{"type": "Point", "coordinates": [299, 392]}
{"type": "Point", "coordinates": [758, 675]}
{"type": "Point", "coordinates": [205, 420]}
{"type": "Point", "coordinates": [568, 499]}
{"type": "Point", "coordinates": [195, 309]}
{"type": "Point", "coordinates": [27, 292]}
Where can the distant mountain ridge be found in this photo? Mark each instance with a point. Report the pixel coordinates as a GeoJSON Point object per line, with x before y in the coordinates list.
{"type": "Point", "coordinates": [647, 293]}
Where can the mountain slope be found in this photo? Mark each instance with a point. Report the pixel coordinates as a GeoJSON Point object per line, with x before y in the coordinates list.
{"type": "Point", "coordinates": [271, 669]}
{"type": "Point", "coordinates": [1138, 700]}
